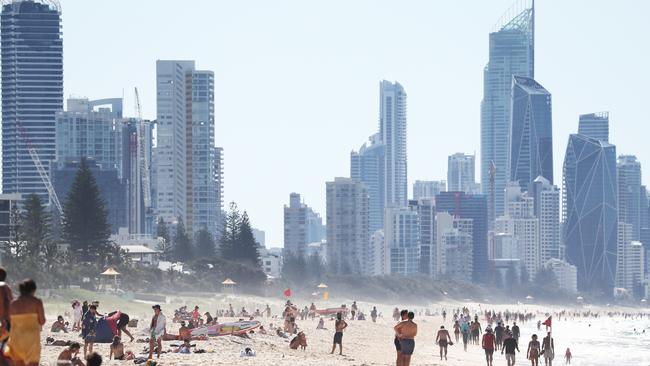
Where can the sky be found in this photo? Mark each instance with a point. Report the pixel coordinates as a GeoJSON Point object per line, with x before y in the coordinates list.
{"type": "Point", "coordinates": [297, 81]}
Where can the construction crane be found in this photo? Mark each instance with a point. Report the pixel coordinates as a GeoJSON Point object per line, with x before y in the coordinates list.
{"type": "Point", "coordinates": [54, 198]}
{"type": "Point", "coordinates": [492, 172]}
{"type": "Point", "coordinates": [143, 157]}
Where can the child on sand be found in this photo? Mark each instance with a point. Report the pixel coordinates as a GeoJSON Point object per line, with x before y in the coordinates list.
{"type": "Point", "coordinates": [567, 356]}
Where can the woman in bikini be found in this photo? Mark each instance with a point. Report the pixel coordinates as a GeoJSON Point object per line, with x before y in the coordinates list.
{"type": "Point", "coordinates": [533, 351]}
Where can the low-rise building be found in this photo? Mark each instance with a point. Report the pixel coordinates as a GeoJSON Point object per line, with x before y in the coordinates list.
{"type": "Point", "coordinates": [565, 273]}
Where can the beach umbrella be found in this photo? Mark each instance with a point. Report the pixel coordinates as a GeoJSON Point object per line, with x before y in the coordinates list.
{"type": "Point", "coordinates": [322, 285]}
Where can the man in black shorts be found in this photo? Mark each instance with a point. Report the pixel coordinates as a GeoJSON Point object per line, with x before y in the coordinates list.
{"type": "Point", "coordinates": [406, 332]}
{"type": "Point", "coordinates": [403, 316]}
{"type": "Point", "coordinates": [122, 323]}
{"type": "Point", "coordinates": [443, 339]}
{"type": "Point", "coordinates": [339, 325]}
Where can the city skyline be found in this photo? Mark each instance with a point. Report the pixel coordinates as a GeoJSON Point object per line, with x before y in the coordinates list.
{"type": "Point", "coordinates": [428, 89]}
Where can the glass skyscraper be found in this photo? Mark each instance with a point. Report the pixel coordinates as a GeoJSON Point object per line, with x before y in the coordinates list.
{"type": "Point", "coordinates": [32, 91]}
{"type": "Point", "coordinates": [511, 53]}
{"type": "Point", "coordinates": [367, 167]}
{"type": "Point", "coordinates": [590, 212]}
{"type": "Point", "coordinates": [595, 125]}
{"type": "Point", "coordinates": [629, 193]}
{"type": "Point", "coordinates": [392, 129]}
{"type": "Point", "coordinates": [531, 135]}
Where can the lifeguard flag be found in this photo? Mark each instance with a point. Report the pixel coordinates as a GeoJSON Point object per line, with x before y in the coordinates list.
{"type": "Point", "coordinates": [287, 292]}
{"type": "Point", "coordinates": [547, 322]}
{"type": "Point", "coordinates": [326, 295]}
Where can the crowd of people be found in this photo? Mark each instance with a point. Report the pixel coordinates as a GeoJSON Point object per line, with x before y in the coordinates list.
{"type": "Point", "coordinates": [23, 317]}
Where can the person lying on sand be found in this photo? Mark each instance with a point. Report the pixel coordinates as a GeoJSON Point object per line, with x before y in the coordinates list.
{"type": "Point", "coordinates": [70, 356]}
{"type": "Point", "coordinates": [280, 333]}
{"type": "Point", "coordinates": [185, 348]}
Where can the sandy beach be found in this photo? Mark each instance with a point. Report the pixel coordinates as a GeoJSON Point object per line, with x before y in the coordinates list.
{"type": "Point", "coordinates": [601, 341]}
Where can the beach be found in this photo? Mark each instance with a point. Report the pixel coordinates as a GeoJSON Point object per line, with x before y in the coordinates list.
{"type": "Point", "coordinates": [593, 341]}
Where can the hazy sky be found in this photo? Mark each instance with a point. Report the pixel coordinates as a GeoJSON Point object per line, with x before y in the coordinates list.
{"type": "Point", "coordinates": [296, 82]}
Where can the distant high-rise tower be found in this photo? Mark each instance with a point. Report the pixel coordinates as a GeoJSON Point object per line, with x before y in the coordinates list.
{"type": "Point", "coordinates": [547, 211]}
{"type": "Point", "coordinates": [392, 131]}
{"type": "Point", "coordinates": [185, 153]}
{"type": "Point", "coordinates": [428, 188]}
{"type": "Point", "coordinates": [466, 206]}
{"type": "Point", "coordinates": [629, 193]}
{"type": "Point", "coordinates": [594, 125]}
{"type": "Point", "coordinates": [32, 91]}
{"type": "Point", "coordinates": [347, 226]}
{"type": "Point", "coordinates": [590, 211]}
{"type": "Point", "coordinates": [368, 167]}
{"type": "Point", "coordinates": [511, 53]}
{"type": "Point", "coordinates": [531, 132]}
{"type": "Point", "coordinates": [299, 223]}
{"type": "Point", "coordinates": [402, 237]}
{"type": "Point", "coordinates": [461, 173]}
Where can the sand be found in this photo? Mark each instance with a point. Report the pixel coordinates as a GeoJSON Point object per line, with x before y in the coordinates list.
{"type": "Point", "coordinates": [365, 342]}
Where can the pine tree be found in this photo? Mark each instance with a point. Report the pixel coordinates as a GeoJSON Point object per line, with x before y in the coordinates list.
{"type": "Point", "coordinates": [205, 244]}
{"type": "Point", "coordinates": [247, 247]}
{"type": "Point", "coordinates": [164, 247]}
{"type": "Point", "coordinates": [182, 244]}
{"type": "Point", "coordinates": [35, 225]}
{"type": "Point", "coordinates": [85, 225]}
{"type": "Point", "coordinates": [315, 266]}
{"type": "Point", "coordinates": [230, 233]}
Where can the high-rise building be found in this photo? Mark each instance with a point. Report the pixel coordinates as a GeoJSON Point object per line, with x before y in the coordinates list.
{"type": "Point", "coordinates": [347, 226]}
{"type": "Point", "coordinates": [136, 168]}
{"type": "Point", "coordinates": [520, 222]}
{"type": "Point", "coordinates": [378, 257]}
{"type": "Point", "coordinates": [594, 125]}
{"type": "Point", "coordinates": [426, 210]}
{"type": "Point", "coordinates": [402, 235]}
{"type": "Point", "coordinates": [465, 206]}
{"type": "Point", "coordinates": [368, 166]}
{"type": "Point", "coordinates": [428, 188]}
{"type": "Point", "coordinates": [629, 192]}
{"type": "Point", "coordinates": [457, 245]}
{"type": "Point", "coordinates": [630, 268]}
{"type": "Point", "coordinates": [460, 173]}
{"type": "Point", "coordinates": [547, 210]}
{"type": "Point", "coordinates": [186, 156]}
{"type": "Point", "coordinates": [531, 132]}
{"type": "Point", "coordinates": [511, 52]}
{"type": "Point", "coordinates": [32, 91]}
{"type": "Point", "coordinates": [392, 130]}
{"type": "Point", "coordinates": [566, 274]}
{"type": "Point", "coordinates": [302, 226]}
{"type": "Point", "coordinates": [590, 211]}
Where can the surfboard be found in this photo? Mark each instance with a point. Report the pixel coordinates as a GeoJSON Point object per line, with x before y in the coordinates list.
{"type": "Point", "coordinates": [331, 311]}
{"type": "Point", "coordinates": [233, 328]}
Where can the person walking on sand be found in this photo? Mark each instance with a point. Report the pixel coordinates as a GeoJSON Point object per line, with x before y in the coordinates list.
{"type": "Point", "coordinates": [443, 339]}
{"type": "Point", "coordinates": [156, 330]}
{"type": "Point", "coordinates": [339, 325]}
{"type": "Point", "coordinates": [464, 329]}
{"type": "Point", "coordinates": [533, 351]}
{"type": "Point", "coordinates": [567, 356]}
{"type": "Point", "coordinates": [509, 346]}
{"type": "Point", "coordinates": [488, 345]}
{"type": "Point", "coordinates": [548, 350]}
{"type": "Point", "coordinates": [406, 332]}
{"type": "Point", "coordinates": [88, 329]}
{"type": "Point", "coordinates": [373, 314]}
{"type": "Point", "coordinates": [402, 316]}
{"type": "Point", "coordinates": [26, 316]}
{"type": "Point", "coordinates": [456, 330]}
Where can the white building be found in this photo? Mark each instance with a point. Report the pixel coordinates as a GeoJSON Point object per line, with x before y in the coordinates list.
{"type": "Point", "coordinates": [186, 158]}
{"type": "Point", "coordinates": [143, 255]}
{"type": "Point", "coordinates": [402, 236]}
{"type": "Point", "coordinates": [378, 258]}
{"type": "Point", "coordinates": [505, 246]}
{"type": "Point", "coordinates": [630, 264]}
{"type": "Point", "coordinates": [301, 226]}
{"type": "Point", "coordinates": [458, 246]}
{"type": "Point", "coordinates": [461, 173]}
{"type": "Point", "coordinates": [547, 210]}
{"type": "Point", "coordinates": [348, 234]}
{"type": "Point", "coordinates": [565, 273]}
{"type": "Point", "coordinates": [271, 262]}
{"type": "Point", "coordinates": [428, 188]}
{"type": "Point", "coordinates": [392, 129]}
{"type": "Point", "coordinates": [521, 223]}
{"type": "Point", "coordinates": [124, 238]}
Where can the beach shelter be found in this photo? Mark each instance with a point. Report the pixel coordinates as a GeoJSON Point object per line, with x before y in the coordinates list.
{"type": "Point", "coordinates": [580, 299]}
{"type": "Point", "coordinates": [323, 287]}
{"type": "Point", "coordinates": [529, 298]}
{"type": "Point", "coordinates": [228, 285]}
{"type": "Point", "coordinates": [111, 272]}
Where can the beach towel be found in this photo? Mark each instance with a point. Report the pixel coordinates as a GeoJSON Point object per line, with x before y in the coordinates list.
{"type": "Point", "coordinates": [24, 339]}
